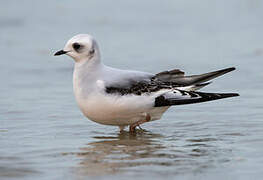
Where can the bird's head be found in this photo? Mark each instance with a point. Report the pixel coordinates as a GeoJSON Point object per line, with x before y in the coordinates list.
{"type": "Point", "coordinates": [81, 48]}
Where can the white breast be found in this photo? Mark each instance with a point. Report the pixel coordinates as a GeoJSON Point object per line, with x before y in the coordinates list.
{"type": "Point", "coordinates": [111, 109]}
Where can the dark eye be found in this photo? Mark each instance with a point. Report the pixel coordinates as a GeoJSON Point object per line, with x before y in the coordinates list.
{"type": "Point", "coordinates": [76, 46]}
{"type": "Point", "coordinates": [92, 51]}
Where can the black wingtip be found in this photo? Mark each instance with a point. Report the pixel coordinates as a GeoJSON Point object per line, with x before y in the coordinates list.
{"type": "Point", "coordinates": [227, 70]}
{"type": "Point", "coordinates": [201, 97]}
{"type": "Point", "coordinates": [231, 69]}
{"type": "Point", "coordinates": [233, 94]}
{"type": "Point", "coordinates": [226, 95]}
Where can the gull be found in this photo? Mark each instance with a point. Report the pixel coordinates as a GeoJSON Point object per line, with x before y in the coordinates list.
{"type": "Point", "coordinates": [123, 98]}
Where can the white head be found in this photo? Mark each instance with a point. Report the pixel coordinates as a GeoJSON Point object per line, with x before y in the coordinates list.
{"type": "Point", "coordinates": [81, 48]}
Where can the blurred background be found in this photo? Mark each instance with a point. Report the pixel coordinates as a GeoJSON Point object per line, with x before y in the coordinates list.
{"type": "Point", "coordinates": [43, 134]}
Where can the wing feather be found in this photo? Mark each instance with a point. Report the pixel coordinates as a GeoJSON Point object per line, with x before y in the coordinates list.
{"type": "Point", "coordinates": [180, 97]}
{"type": "Point", "coordinates": [174, 79]}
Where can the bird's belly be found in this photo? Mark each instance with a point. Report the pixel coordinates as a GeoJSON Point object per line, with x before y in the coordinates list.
{"type": "Point", "coordinates": [119, 111]}
{"type": "Point", "coordinates": [111, 116]}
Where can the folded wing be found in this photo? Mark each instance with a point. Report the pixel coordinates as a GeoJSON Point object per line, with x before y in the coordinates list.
{"type": "Point", "coordinates": [182, 87]}
{"type": "Point", "coordinates": [180, 97]}
{"type": "Point", "coordinates": [177, 77]}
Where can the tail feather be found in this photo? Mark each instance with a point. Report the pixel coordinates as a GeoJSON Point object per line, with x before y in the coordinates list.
{"type": "Point", "coordinates": [179, 97]}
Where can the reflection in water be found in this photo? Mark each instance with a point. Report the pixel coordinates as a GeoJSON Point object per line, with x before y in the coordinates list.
{"type": "Point", "coordinates": [129, 152]}
{"type": "Point", "coordinates": [112, 154]}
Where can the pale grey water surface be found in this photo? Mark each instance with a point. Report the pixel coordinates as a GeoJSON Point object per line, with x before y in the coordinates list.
{"type": "Point", "coordinates": [43, 135]}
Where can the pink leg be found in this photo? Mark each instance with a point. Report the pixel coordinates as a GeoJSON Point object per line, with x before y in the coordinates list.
{"type": "Point", "coordinates": [121, 128]}
{"type": "Point", "coordinates": [134, 125]}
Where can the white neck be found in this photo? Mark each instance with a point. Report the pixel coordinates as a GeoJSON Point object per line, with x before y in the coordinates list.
{"type": "Point", "coordinates": [86, 72]}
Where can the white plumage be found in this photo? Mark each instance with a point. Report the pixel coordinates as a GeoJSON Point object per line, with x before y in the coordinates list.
{"type": "Point", "coordinates": [121, 97]}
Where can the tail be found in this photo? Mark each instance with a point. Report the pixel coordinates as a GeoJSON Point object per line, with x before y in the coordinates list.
{"type": "Point", "coordinates": [180, 97]}
{"type": "Point", "coordinates": [179, 78]}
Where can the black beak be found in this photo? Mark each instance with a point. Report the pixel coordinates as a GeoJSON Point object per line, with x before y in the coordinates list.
{"type": "Point", "coordinates": [61, 52]}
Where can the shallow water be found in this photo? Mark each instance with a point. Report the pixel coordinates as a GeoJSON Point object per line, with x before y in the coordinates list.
{"type": "Point", "coordinates": [43, 135]}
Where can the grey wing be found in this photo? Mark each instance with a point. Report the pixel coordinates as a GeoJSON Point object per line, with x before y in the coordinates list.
{"type": "Point", "coordinates": [179, 97]}
{"type": "Point", "coordinates": [139, 83]}
{"type": "Point", "coordinates": [177, 77]}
